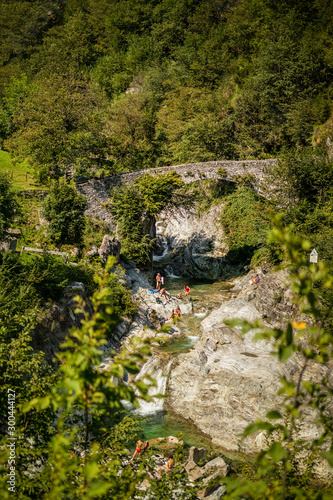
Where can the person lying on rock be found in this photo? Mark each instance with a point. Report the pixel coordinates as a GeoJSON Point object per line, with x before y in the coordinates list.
{"type": "Point", "coordinates": [165, 295]}
{"type": "Point", "coordinates": [178, 312]}
{"type": "Point", "coordinates": [255, 280]}
{"type": "Point", "coordinates": [140, 447]}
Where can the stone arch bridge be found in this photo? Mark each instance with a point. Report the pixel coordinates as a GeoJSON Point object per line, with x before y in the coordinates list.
{"type": "Point", "coordinates": [256, 171]}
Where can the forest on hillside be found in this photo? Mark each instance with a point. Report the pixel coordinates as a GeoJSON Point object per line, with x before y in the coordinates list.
{"type": "Point", "coordinates": [120, 85]}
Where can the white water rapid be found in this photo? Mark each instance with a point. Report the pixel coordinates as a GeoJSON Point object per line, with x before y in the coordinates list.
{"type": "Point", "coordinates": [153, 369]}
{"type": "Point", "coordinates": [165, 249]}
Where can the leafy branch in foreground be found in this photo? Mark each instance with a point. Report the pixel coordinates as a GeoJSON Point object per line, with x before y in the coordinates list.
{"type": "Point", "coordinates": [288, 468]}
{"type": "Point", "coordinates": [84, 399]}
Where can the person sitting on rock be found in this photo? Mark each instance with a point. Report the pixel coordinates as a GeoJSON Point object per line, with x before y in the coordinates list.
{"type": "Point", "coordinates": [169, 465]}
{"type": "Point", "coordinates": [255, 280]}
{"type": "Point", "coordinates": [179, 296]}
{"type": "Point", "coordinates": [178, 312]}
{"type": "Point", "coordinates": [140, 446]}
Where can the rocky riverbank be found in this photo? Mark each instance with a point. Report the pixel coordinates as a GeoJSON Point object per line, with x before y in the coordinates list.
{"type": "Point", "coordinates": [229, 380]}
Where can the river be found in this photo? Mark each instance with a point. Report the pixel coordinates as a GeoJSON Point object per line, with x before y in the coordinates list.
{"type": "Point", "coordinates": [205, 295]}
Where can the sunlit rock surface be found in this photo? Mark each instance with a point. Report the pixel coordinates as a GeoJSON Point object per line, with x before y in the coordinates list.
{"type": "Point", "coordinates": [229, 380]}
{"type": "Point", "coordinates": [195, 244]}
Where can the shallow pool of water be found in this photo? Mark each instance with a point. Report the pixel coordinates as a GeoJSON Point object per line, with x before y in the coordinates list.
{"type": "Point", "coordinates": [163, 424]}
{"type": "Point", "coordinates": [204, 295]}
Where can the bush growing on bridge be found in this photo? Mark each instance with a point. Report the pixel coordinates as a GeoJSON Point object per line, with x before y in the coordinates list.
{"type": "Point", "coordinates": [133, 206]}
{"type": "Point", "coordinates": [64, 210]}
{"type": "Point", "coordinates": [156, 191]}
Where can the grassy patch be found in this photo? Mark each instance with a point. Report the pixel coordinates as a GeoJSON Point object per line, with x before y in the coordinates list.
{"type": "Point", "coordinates": [20, 175]}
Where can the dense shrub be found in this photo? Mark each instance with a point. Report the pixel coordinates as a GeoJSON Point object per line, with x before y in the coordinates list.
{"type": "Point", "coordinates": [64, 210]}
{"type": "Point", "coordinates": [246, 222]}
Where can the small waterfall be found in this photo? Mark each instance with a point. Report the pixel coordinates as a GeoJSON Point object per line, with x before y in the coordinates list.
{"type": "Point", "coordinates": [170, 272]}
{"type": "Point", "coordinates": [153, 368]}
{"type": "Point", "coordinates": [165, 249]}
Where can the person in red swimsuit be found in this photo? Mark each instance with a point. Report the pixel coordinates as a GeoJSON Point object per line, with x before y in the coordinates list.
{"type": "Point", "coordinates": [140, 446]}
{"type": "Point", "coordinates": [169, 465]}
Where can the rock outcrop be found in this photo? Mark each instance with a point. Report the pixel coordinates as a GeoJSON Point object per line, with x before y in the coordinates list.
{"type": "Point", "coordinates": [152, 311]}
{"type": "Point", "coordinates": [194, 245]}
{"type": "Point", "coordinates": [229, 380]}
{"type": "Point", "coordinates": [53, 327]}
{"type": "Point", "coordinates": [8, 244]}
{"type": "Point", "coordinates": [110, 246]}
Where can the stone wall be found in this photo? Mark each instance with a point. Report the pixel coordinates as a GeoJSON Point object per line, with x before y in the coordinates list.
{"type": "Point", "coordinates": [97, 190]}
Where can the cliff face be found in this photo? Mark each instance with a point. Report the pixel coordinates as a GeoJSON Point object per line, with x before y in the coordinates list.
{"type": "Point", "coordinates": [194, 245]}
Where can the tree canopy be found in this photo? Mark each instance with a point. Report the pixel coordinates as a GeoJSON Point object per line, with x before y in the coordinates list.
{"type": "Point", "coordinates": [163, 82]}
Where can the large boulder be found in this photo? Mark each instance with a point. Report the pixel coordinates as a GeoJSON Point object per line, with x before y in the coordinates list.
{"type": "Point", "coordinates": [110, 246]}
{"type": "Point", "coordinates": [217, 465]}
{"type": "Point", "coordinates": [8, 244]}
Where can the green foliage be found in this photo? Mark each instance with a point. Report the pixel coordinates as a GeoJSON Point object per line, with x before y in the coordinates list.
{"type": "Point", "coordinates": [204, 193]}
{"type": "Point", "coordinates": [21, 176]}
{"type": "Point", "coordinates": [156, 191]}
{"type": "Point", "coordinates": [246, 221]}
{"type": "Point", "coordinates": [94, 232]}
{"type": "Point", "coordinates": [8, 205]}
{"type": "Point", "coordinates": [58, 126]}
{"type": "Point", "coordinates": [304, 188]}
{"type": "Point", "coordinates": [130, 128]}
{"type": "Point", "coordinates": [307, 175]}
{"type": "Point", "coordinates": [134, 209]}
{"type": "Point", "coordinates": [80, 401]}
{"type": "Point", "coordinates": [285, 468]}
{"type": "Point", "coordinates": [190, 128]}
{"type": "Point", "coordinates": [186, 82]}
{"type": "Point", "coordinates": [64, 210]}
{"type": "Point", "coordinates": [29, 281]}
{"type": "Point", "coordinates": [222, 172]}
{"type": "Point", "coordinates": [127, 207]}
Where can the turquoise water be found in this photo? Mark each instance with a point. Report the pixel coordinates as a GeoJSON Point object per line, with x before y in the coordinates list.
{"type": "Point", "coordinates": [204, 296]}
{"type": "Point", "coordinates": [163, 424]}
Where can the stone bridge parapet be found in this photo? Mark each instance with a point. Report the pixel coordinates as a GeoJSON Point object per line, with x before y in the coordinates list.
{"type": "Point", "coordinates": [256, 171]}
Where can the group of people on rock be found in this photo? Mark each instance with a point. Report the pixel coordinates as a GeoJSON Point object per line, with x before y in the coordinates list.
{"type": "Point", "coordinates": [176, 313]}
{"type": "Point", "coordinates": [164, 293]}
